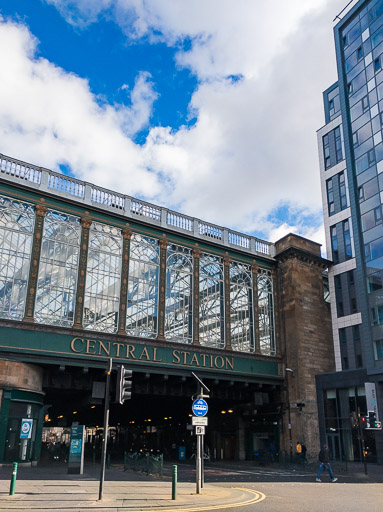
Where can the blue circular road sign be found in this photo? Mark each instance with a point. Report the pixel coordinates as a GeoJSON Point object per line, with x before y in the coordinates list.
{"type": "Point", "coordinates": [199, 407]}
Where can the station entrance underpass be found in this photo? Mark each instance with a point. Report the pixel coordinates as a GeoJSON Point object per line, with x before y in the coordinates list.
{"type": "Point", "coordinates": [244, 418]}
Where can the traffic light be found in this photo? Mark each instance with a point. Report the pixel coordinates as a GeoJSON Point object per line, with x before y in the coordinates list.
{"type": "Point", "coordinates": [123, 385]}
{"type": "Point", "coordinates": [371, 419]}
{"type": "Point", "coordinates": [363, 421]}
{"type": "Point", "coordinates": [373, 423]}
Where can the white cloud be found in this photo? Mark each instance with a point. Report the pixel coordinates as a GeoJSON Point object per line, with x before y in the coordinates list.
{"type": "Point", "coordinates": [50, 117]}
{"type": "Point", "coordinates": [253, 147]}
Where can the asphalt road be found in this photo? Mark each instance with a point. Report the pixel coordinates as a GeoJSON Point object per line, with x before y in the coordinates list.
{"type": "Point", "coordinates": [316, 497]}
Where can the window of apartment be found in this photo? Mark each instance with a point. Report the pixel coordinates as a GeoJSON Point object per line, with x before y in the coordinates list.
{"type": "Point", "coordinates": [345, 363]}
{"type": "Point", "coordinates": [359, 53]}
{"type": "Point", "coordinates": [377, 315]}
{"type": "Point", "coordinates": [338, 295]}
{"type": "Point", "coordinates": [378, 349]}
{"type": "Point", "coordinates": [347, 239]}
{"type": "Point", "coordinates": [345, 41]}
{"type": "Point", "coordinates": [342, 336]}
{"type": "Point", "coordinates": [372, 218]}
{"type": "Point", "coordinates": [368, 190]}
{"type": "Point", "coordinates": [326, 151]}
{"type": "Point", "coordinates": [355, 333]}
{"type": "Point", "coordinates": [338, 144]}
{"type": "Point", "coordinates": [342, 191]}
{"type": "Point", "coordinates": [334, 245]}
{"type": "Point", "coordinates": [355, 139]}
{"type": "Point", "coordinates": [349, 88]}
{"type": "Point", "coordinates": [374, 282]}
{"type": "Point", "coordinates": [350, 277]}
{"type": "Point", "coordinates": [331, 107]}
{"type": "Point", "coordinates": [359, 361]}
{"type": "Point", "coordinates": [365, 103]}
{"type": "Point", "coordinates": [377, 64]}
{"type": "Point", "coordinates": [353, 306]}
{"type": "Point", "coordinates": [330, 197]}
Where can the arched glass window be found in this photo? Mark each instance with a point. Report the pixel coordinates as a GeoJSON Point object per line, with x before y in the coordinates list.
{"type": "Point", "coordinates": [102, 287]}
{"type": "Point", "coordinates": [17, 221]}
{"type": "Point", "coordinates": [266, 313]}
{"type": "Point", "coordinates": [211, 302]}
{"type": "Point", "coordinates": [57, 280]}
{"type": "Point", "coordinates": [241, 307]}
{"type": "Point", "coordinates": [179, 298]}
{"type": "Point", "coordinates": [142, 307]}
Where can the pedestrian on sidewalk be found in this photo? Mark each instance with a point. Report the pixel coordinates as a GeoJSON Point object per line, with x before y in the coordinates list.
{"type": "Point", "coordinates": [298, 453]}
{"type": "Point", "coordinates": [304, 453]}
{"type": "Point", "coordinates": [324, 459]}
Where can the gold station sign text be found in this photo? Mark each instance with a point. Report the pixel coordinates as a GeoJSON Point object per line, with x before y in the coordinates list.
{"type": "Point", "coordinates": [143, 353]}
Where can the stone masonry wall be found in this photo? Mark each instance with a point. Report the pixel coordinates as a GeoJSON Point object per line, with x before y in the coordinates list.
{"type": "Point", "coordinates": [23, 376]}
{"type": "Point", "coordinates": [308, 337]}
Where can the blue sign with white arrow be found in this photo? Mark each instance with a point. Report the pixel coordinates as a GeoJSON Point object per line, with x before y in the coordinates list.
{"type": "Point", "coordinates": [199, 407]}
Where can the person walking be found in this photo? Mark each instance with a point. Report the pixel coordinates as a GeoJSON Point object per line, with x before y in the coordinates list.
{"type": "Point", "coordinates": [324, 459]}
{"type": "Point", "coordinates": [298, 453]}
{"type": "Point", "coordinates": [304, 452]}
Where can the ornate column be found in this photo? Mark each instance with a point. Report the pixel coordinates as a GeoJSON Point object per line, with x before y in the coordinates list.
{"type": "Point", "coordinates": [196, 257]}
{"type": "Point", "coordinates": [226, 275]}
{"type": "Point", "coordinates": [126, 236]}
{"type": "Point", "coordinates": [79, 307]}
{"type": "Point", "coordinates": [162, 291]}
{"type": "Point", "coordinates": [30, 300]}
{"type": "Point", "coordinates": [254, 271]}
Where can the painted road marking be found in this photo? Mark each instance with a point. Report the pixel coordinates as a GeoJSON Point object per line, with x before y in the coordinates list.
{"type": "Point", "coordinates": [258, 497]}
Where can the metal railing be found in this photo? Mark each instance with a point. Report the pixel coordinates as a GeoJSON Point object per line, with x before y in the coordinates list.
{"type": "Point", "coordinates": [45, 180]}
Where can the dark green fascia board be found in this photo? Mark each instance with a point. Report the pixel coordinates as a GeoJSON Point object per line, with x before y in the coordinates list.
{"type": "Point", "coordinates": [26, 396]}
{"type": "Point", "coordinates": [114, 220]}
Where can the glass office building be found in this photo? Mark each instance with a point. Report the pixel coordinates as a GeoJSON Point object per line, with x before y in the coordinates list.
{"type": "Point", "coordinates": [351, 165]}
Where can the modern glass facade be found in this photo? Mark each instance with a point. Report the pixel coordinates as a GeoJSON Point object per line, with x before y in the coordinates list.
{"type": "Point", "coordinates": [352, 189]}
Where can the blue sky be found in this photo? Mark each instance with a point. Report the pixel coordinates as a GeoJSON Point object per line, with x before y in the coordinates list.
{"type": "Point", "coordinates": [206, 107]}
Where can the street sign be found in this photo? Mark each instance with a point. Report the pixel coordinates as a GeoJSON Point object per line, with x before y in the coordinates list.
{"type": "Point", "coordinates": [200, 431]}
{"type": "Point", "coordinates": [200, 421]}
{"type": "Point", "coordinates": [199, 407]}
{"type": "Point", "coordinates": [26, 428]}
{"type": "Point", "coordinates": [76, 450]}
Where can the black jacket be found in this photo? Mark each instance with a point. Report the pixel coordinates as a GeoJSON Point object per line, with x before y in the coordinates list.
{"type": "Point", "coordinates": [324, 456]}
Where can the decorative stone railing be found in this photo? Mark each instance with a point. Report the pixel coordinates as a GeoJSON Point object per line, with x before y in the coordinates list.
{"type": "Point", "coordinates": [52, 182]}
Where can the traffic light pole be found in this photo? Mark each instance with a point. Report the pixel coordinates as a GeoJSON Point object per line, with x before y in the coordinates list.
{"type": "Point", "coordinates": [106, 424]}
{"type": "Point", "coordinates": [362, 441]}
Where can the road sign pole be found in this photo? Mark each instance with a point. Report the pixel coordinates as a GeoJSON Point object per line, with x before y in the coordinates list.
{"type": "Point", "coordinates": [203, 460]}
{"type": "Point", "coordinates": [198, 465]}
{"type": "Point", "coordinates": [106, 423]}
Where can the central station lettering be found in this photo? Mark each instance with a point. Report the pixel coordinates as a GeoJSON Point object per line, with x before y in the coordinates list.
{"type": "Point", "coordinates": [149, 354]}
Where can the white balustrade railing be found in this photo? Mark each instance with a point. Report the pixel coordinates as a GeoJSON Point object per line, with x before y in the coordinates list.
{"type": "Point", "coordinates": [239, 240]}
{"type": "Point", "coordinates": [66, 185]}
{"type": "Point", "coordinates": [107, 198]}
{"type": "Point", "coordinates": [17, 169]}
{"type": "Point", "coordinates": [180, 221]}
{"type": "Point", "coordinates": [146, 210]}
{"type": "Point", "coordinates": [210, 231]}
{"type": "Point", "coordinates": [55, 183]}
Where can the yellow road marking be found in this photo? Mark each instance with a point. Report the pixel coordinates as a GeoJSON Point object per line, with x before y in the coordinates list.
{"type": "Point", "coordinates": [258, 496]}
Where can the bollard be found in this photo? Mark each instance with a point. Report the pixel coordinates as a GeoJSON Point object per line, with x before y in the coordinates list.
{"type": "Point", "coordinates": [108, 461]}
{"type": "Point", "coordinates": [13, 479]}
{"type": "Point", "coordinates": [174, 483]}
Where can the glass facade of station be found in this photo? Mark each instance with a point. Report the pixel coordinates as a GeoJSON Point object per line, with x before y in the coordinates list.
{"type": "Point", "coordinates": [251, 294]}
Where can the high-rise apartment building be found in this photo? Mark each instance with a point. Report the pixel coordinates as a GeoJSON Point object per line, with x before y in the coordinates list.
{"type": "Point", "coordinates": [351, 166]}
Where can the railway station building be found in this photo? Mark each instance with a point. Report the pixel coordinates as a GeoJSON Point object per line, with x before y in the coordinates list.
{"type": "Point", "coordinates": [88, 274]}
